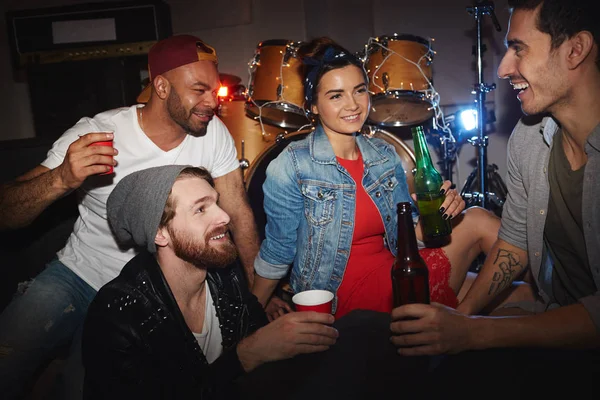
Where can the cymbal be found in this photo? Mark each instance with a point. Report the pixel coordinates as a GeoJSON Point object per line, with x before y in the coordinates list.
{"type": "Point", "coordinates": [229, 80]}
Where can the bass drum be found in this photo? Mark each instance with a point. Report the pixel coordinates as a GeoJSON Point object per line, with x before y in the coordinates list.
{"type": "Point", "coordinates": [256, 174]}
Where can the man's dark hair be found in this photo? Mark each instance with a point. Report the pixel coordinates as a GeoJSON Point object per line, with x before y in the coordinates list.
{"type": "Point", "coordinates": [562, 19]}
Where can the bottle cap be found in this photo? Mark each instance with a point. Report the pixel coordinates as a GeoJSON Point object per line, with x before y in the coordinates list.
{"type": "Point", "coordinates": [404, 207]}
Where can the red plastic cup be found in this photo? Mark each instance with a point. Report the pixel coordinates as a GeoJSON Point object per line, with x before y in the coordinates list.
{"type": "Point", "coordinates": [105, 143]}
{"type": "Point", "coordinates": [313, 300]}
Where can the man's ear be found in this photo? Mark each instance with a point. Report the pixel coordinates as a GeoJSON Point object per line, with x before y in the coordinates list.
{"type": "Point", "coordinates": [162, 87]}
{"type": "Point", "coordinates": [580, 47]}
{"type": "Point", "coordinates": [162, 237]}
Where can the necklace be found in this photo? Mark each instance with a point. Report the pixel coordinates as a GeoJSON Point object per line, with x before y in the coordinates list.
{"type": "Point", "coordinates": [181, 145]}
{"type": "Point", "coordinates": [141, 119]}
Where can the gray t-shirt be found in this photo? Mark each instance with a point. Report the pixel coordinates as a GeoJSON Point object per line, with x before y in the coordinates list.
{"type": "Point", "coordinates": [563, 233]}
{"type": "Point", "coordinates": [524, 213]}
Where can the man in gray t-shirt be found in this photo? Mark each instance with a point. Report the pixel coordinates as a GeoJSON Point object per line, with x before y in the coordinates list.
{"type": "Point", "coordinates": [551, 218]}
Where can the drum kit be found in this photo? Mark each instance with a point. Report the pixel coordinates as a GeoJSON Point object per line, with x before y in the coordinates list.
{"type": "Point", "coordinates": [272, 114]}
{"type": "Point", "coordinates": [275, 96]}
{"type": "Point", "coordinates": [399, 68]}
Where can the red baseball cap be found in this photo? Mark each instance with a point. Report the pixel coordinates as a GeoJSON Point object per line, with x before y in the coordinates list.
{"type": "Point", "coordinates": [172, 53]}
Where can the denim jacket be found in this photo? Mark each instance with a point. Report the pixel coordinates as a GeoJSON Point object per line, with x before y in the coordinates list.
{"type": "Point", "coordinates": [309, 200]}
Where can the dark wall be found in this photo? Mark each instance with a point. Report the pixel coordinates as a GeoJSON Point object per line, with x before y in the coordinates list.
{"type": "Point", "coordinates": [62, 93]}
{"type": "Point", "coordinates": [25, 251]}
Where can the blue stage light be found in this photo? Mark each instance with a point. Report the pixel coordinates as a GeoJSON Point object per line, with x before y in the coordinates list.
{"type": "Point", "coordinates": [468, 119]}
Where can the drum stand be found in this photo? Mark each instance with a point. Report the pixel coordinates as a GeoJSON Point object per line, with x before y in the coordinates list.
{"type": "Point", "coordinates": [482, 196]}
{"type": "Point", "coordinates": [448, 151]}
{"type": "Point", "coordinates": [446, 147]}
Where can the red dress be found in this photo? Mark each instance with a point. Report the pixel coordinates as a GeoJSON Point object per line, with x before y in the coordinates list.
{"type": "Point", "coordinates": [367, 279]}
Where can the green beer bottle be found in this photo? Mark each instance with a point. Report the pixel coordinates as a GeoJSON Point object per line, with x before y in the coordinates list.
{"type": "Point", "coordinates": [428, 181]}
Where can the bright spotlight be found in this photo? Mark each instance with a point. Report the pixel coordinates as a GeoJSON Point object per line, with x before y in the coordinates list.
{"type": "Point", "coordinates": [223, 91]}
{"type": "Point", "coordinates": [468, 119]}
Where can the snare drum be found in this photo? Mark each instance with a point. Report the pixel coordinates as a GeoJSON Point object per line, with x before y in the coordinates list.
{"type": "Point", "coordinates": [275, 90]}
{"type": "Point", "coordinates": [400, 76]}
{"type": "Point", "coordinates": [256, 174]}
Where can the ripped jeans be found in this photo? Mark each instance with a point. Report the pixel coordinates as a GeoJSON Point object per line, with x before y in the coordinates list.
{"type": "Point", "coordinates": [37, 323]}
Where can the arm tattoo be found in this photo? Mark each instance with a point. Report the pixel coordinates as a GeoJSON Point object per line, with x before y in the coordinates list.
{"type": "Point", "coordinates": [510, 268]}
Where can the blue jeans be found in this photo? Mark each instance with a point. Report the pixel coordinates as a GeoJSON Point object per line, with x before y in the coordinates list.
{"type": "Point", "coordinates": [46, 317]}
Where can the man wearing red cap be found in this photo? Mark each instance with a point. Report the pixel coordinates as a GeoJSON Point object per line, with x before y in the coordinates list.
{"type": "Point", "coordinates": [176, 126]}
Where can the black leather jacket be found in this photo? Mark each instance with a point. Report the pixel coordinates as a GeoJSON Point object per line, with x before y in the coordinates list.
{"type": "Point", "coordinates": [136, 344]}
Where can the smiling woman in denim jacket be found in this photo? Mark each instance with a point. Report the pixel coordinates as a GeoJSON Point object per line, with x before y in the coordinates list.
{"type": "Point", "coordinates": [330, 201]}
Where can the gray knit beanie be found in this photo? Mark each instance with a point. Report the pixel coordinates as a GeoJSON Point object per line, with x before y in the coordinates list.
{"type": "Point", "coordinates": [136, 204]}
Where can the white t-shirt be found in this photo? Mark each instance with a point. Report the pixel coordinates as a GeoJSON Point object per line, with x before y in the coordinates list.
{"type": "Point", "coordinates": [91, 251]}
{"type": "Point", "coordinates": [210, 340]}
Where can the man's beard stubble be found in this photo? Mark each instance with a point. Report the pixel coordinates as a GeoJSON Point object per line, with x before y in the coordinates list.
{"type": "Point", "coordinates": [202, 255]}
{"type": "Point", "coordinates": [179, 115]}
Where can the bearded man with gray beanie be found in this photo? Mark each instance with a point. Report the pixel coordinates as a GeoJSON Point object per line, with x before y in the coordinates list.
{"type": "Point", "coordinates": [177, 322]}
{"type": "Point", "coordinates": [175, 125]}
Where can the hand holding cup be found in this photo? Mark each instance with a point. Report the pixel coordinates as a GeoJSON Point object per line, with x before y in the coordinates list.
{"type": "Point", "coordinates": [313, 300]}
{"type": "Point", "coordinates": [83, 159]}
{"type": "Point", "coordinates": [108, 143]}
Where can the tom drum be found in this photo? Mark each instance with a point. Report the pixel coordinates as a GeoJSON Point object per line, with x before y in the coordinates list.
{"type": "Point", "coordinates": [276, 91]}
{"type": "Point", "coordinates": [400, 76]}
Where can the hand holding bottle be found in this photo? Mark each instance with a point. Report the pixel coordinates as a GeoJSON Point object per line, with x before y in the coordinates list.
{"type": "Point", "coordinates": [430, 329]}
{"type": "Point", "coordinates": [436, 201]}
{"type": "Point", "coordinates": [453, 203]}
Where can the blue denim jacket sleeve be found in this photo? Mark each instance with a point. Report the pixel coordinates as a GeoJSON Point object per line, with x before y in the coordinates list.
{"type": "Point", "coordinates": [283, 204]}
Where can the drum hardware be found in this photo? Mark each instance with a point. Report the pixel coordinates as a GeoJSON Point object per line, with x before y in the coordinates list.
{"type": "Point", "coordinates": [482, 196]}
{"type": "Point", "coordinates": [280, 137]}
{"type": "Point", "coordinates": [384, 49]}
{"type": "Point", "coordinates": [496, 193]}
{"type": "Point", "coordinates": [244, 162]}
{"type": "Point", "coordinates": [288, 54]}
{"type": "Point", "coordinates": [448, 143]}
{"type": "Point", "coordinates": [386, 81]}
{"type": "Point", "coordinates": [447, 150]}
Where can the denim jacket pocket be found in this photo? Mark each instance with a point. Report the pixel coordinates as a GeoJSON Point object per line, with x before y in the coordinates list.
{"type": "Point", "coordinates": [318, 204]}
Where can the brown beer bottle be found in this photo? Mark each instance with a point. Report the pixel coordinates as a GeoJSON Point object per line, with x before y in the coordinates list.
{"type": "Point", "coordinates": [410, 276]}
